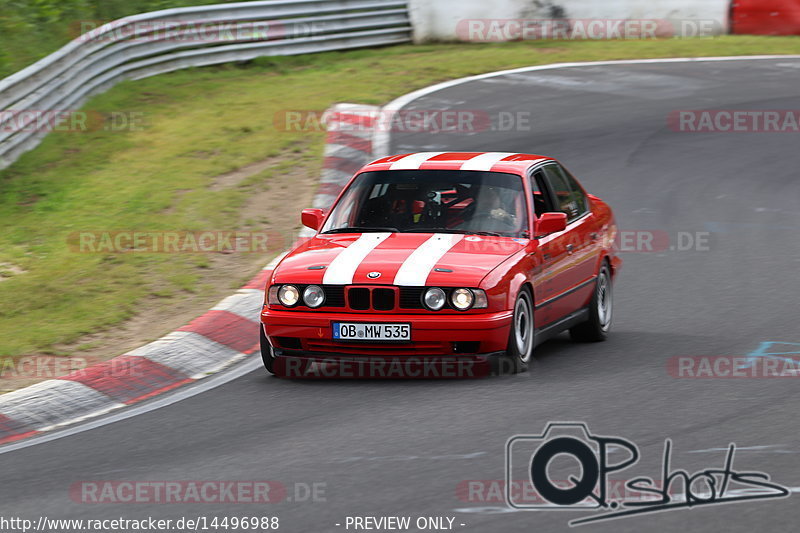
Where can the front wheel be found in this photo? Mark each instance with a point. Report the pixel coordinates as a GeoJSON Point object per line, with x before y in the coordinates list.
{"type": "Point", "coordinates": [600, 311]}
{"type": "Point", "coordinates": [520, 340]}
{"type": "Point", "coordinates": [266, 351]}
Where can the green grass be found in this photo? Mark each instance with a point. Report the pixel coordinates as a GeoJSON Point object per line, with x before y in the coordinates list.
{"type": "Point", "coordinates": [202, 123]}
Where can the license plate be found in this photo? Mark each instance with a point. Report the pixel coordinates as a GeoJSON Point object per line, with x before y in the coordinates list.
{"type": "Point", "coordinates": [345, 331]}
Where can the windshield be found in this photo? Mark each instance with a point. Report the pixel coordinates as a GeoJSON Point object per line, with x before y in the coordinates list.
{"type": "Point", "coordinates": [432, 201]}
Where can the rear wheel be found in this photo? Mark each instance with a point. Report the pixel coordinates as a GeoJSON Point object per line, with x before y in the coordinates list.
{"type": "Point", "coordinates": [520, 340]}
{"type": "Point", "coordinates": [600, 311]}
{"type": "Point", "coordinates": [266, 351]}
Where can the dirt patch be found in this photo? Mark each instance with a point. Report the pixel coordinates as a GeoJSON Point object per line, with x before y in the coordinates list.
{"type": "Point", "coordinates": [231, 179]}
{"type": "Point", "coordinates": [274, 206]}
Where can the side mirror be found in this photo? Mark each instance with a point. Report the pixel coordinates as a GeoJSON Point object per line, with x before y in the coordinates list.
{"type": "Point", "coordinates": [312, 218]}
{"type": "Point", "coordinates": [550, 223]}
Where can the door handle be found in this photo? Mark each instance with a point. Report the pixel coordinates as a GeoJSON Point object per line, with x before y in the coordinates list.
{"type": "Point", "coordinates": [570, 248]}
{"type": "Point", "coordinates": [593, 236]}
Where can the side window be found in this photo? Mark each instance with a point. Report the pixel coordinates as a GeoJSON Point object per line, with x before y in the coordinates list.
{"type": "Point", "coordinates": [568, 195]}
{"type": "Point", "coordinates": [577, 192]}
{"type": "Point", "coordinates": [541, 202]}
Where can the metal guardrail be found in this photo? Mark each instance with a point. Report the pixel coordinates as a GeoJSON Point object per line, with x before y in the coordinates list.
{"type": "Point", "coordinates": [162, 41]}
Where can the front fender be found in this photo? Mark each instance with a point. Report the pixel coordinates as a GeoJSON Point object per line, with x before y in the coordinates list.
{"type": "Point", "coordinates": [504, 282]}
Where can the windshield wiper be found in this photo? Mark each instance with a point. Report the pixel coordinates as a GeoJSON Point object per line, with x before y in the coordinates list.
{"type": "Point", "coordinates": [359, 229]}
{"type": "Point", "coordinates": [370, 229]}
{"type": "Point", "coordinates": [450, 230]}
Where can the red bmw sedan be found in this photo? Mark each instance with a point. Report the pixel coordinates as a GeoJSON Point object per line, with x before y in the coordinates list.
{"type": "Point", "coordinates": [445, 255]}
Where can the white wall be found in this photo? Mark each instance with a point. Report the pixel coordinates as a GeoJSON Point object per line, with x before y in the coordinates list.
{"type": "Point", "coordinates": [448, 19]}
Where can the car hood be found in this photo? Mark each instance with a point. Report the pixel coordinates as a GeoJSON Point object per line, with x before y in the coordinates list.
{"type": "Point", "coordinates": [409, 259]}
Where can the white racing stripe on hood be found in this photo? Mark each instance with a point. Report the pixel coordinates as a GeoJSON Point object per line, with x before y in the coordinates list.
{"type": "Point", "coordinates": [340, 271]}
{"type": "Point", "coordinates": [413, 161]}
{"type": "Point", "coordinates": [415, 269]}
{"type": "Point", "coordinates": [484, 161]}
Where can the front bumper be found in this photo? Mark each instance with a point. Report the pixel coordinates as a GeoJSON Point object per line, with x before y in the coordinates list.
{"type": "Point", "coordinates": [301, 332]}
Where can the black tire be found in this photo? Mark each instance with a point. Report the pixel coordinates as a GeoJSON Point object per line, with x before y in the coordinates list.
{"type": "Point", "coordinates": [519, 352]}
{"type": "Point", "coordinates": [266, 351]}
{"type": "Point", "coordinates": [600, 310]}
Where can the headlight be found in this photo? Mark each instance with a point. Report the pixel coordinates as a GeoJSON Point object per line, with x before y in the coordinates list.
{"type": "Point", "coordinates": [314, 296]}
{"type": "Point", "coordinates": [288, 295]}
{"type": "Point", "coordinates": [434, 298]}
{"type": "Point", "coordinates": [462, 299]}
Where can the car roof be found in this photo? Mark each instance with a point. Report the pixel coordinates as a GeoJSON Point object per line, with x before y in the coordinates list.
{"type": "Point", "coordinates": [508, 162]}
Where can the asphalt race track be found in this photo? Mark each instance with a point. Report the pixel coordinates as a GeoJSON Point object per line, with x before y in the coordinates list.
{"type": "Point", "coordinates": [403, 447]}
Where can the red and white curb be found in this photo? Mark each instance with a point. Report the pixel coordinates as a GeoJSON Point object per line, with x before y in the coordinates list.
{"type": "Point", "coordinates": [224, 335]}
